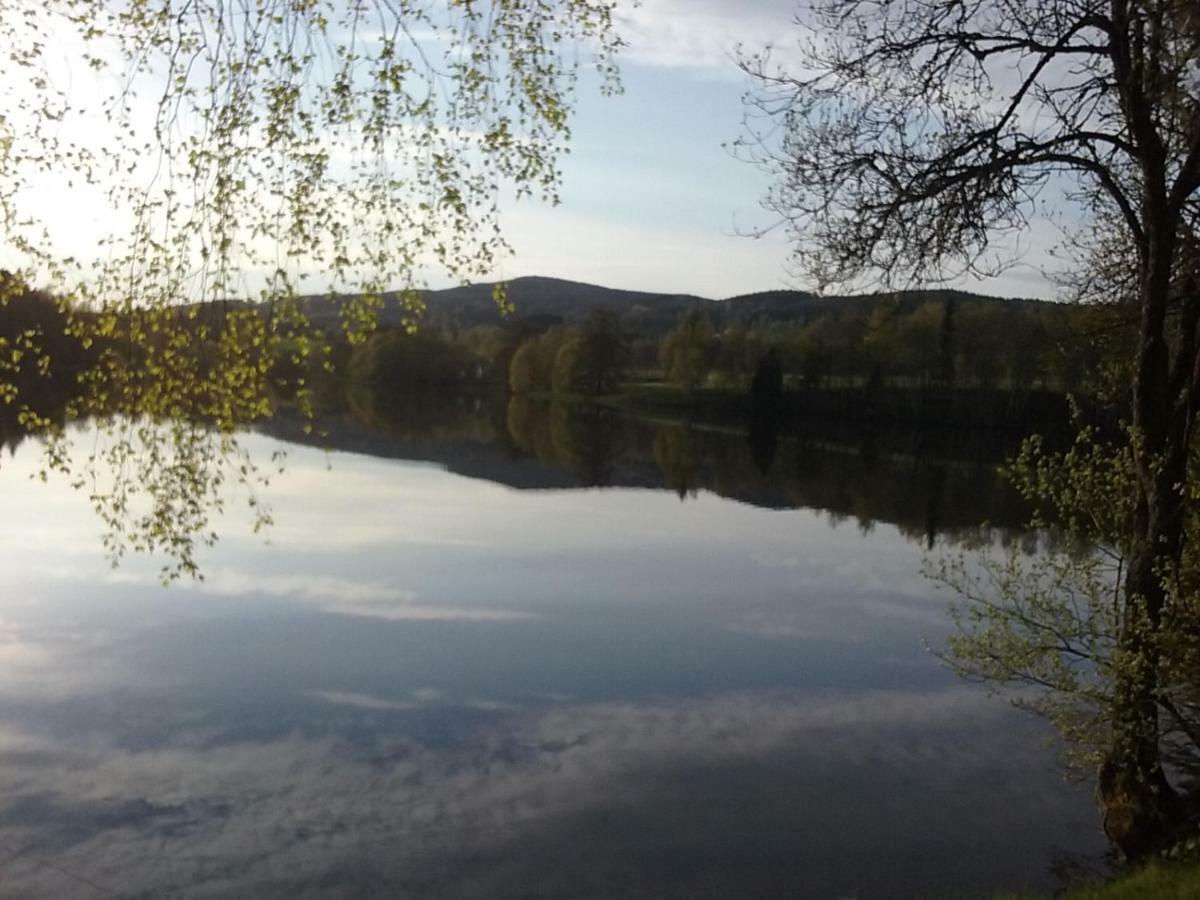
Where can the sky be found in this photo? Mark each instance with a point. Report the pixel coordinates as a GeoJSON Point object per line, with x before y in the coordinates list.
{"type": "Point", "coordinates": [653, 200]}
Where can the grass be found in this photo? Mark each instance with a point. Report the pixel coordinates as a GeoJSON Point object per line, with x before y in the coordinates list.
{"type": "Point", "coordinates": [1155, 882]}
{"type": "Point", "coordinates": [1160, 882]}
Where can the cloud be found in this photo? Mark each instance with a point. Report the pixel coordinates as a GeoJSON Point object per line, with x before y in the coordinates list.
{"type": "Point", "coordinates": [420, 699]}
{"type": "Point", "coordinates": [413, 612]}
{"type": "Point", "coordinates": [702, 34]}
{"type": "Point", "coordinates": [365, 701]}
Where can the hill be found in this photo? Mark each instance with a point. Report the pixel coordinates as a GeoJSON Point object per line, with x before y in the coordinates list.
{"type": "Point", "coordinates": [800, 306]}
{"type": "Point", "coordinates": [642, 312]}
{"type": "Point", "coordinates": [534, 298]}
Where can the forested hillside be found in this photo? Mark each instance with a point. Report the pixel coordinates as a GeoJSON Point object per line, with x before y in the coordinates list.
{"type": "Point", "coordinates": [920, 339]}
{"type": "Point", "coordinates": [917, 356]}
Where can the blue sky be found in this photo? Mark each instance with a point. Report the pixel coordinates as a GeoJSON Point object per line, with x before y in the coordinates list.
{"type": "Point", "coordinates": [652, 200]}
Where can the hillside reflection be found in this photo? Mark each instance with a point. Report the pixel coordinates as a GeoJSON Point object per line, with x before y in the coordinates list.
{"type": "Point", "coordinates": [929, 485]}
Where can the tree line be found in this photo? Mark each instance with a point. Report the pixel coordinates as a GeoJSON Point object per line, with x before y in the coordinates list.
{"type": "Point", "coordinates": [943, 344]}
{"type": "Point", "coordinates": [892, 350]}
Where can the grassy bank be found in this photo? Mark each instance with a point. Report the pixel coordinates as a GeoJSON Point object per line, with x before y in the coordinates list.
{"type": "Point", "coordinates": [1160, 882]}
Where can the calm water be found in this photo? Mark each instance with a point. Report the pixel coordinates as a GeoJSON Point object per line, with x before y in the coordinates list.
{"type": "Point", "coordinates": [450, 671]}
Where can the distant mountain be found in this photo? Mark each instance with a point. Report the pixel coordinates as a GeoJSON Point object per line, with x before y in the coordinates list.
{"type": "Point", "coordinates": [547, 300]}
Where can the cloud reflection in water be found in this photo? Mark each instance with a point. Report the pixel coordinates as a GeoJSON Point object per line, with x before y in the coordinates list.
{"type": "Point", "coordinates": [732, 794]}
{"type": "Point", "coordinates": [433, 686]}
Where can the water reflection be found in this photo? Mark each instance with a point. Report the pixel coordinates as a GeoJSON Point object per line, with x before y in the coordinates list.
{"type": "Point", "coordinates": [927, 483]}
{"type": "Point", "coordinates": [351, 794]}
{"type": "Point", "coordinates": [471, 679]}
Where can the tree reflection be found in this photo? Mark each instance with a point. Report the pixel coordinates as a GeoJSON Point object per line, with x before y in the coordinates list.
{"type": "Point", "coordinates": [762, 436]}
{"type": "Point", "coordinates": [678, 459]}
{"type": "Point", "coordinates": [928, 488]}
{"type": "Point", "coordinates": [159, 482]}
{"type": "Point", "coordinates": [593, 438]}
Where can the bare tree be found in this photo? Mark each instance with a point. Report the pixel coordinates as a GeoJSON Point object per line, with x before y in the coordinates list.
{"type": "Point", "coordinates": [912, 136]}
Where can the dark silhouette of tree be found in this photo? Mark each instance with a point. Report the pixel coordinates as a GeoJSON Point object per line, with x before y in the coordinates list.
{"type": "Point", "coordinates": [766, 398]}
{"type": "Point", "coordinates": [404, 362]}
{"type": "Point", "coordinates": [603, 352]}
{"type": "Point", "coordinates": [766, 388]}
{"type": "Point", "coordinates": [921, 131]}
{"type": "Point", "coordinates": [946, 367]}
{"type": "Point", "coordinates": [872, 394]}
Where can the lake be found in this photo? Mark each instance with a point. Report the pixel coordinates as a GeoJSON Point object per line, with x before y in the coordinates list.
{"type": "Point", "coordinates": [514, 652]}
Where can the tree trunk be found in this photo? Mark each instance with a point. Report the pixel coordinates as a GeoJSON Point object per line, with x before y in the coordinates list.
{"type": "Point", "coordinates": [1139, 806]}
